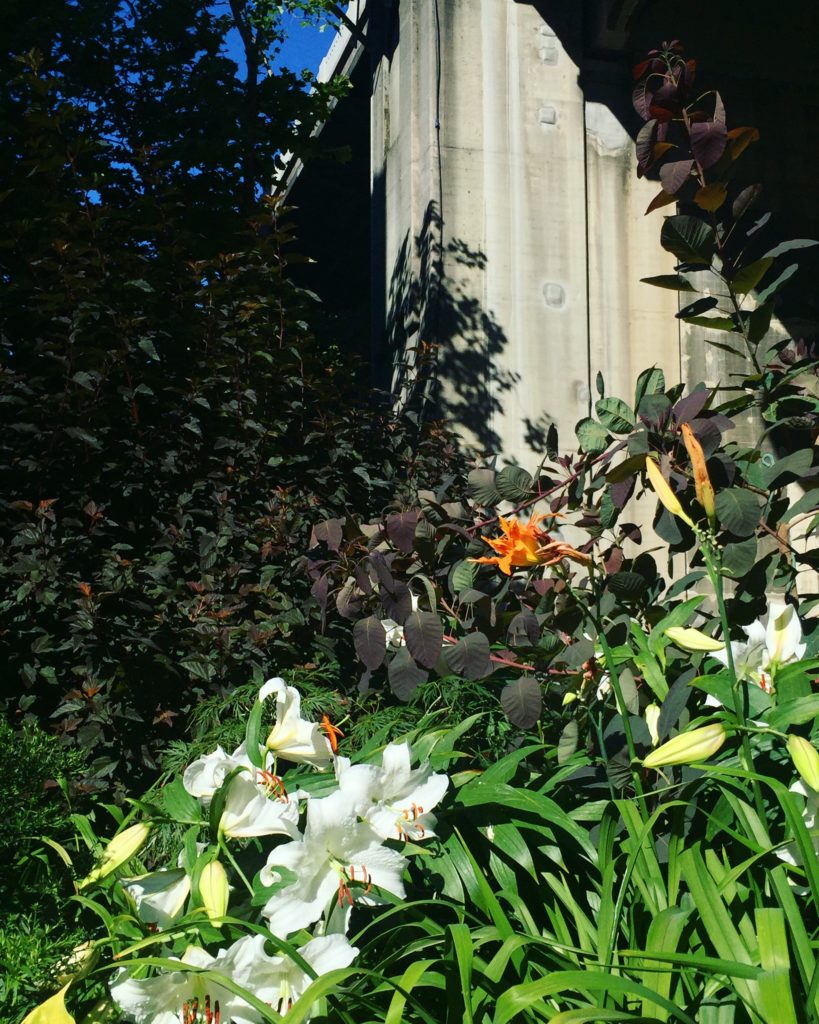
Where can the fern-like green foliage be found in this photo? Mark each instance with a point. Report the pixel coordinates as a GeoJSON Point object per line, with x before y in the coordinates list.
{"type": "Point", "coordinates": [37, 926]}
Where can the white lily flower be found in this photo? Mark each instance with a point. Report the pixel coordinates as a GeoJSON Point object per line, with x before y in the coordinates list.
{"type": "Point", "coordinates": [603, 686]}
{"type": "Point", "coordinates": [395, 633]}
{"type": "Point", "coordinates": [160, 895]}
{"type": "Point", "coordinates": [173, 996]}
{"type": "Point", "coordinates": [292, 737]}
{"type": "Point", "coordinates": [395, 799]}
{"type": "Point", "coordinates": [256, 803]}
{"type": "Point", "coordinates": [339, 857]}
{"type": "Point", "coordinates": [766, 648]}
{"type": "Point", "coordinates": [207, 774]}
{"type": "Point", "coordinates": [253, 808]}
{"type": "Point", "coordinates": [280, 981]}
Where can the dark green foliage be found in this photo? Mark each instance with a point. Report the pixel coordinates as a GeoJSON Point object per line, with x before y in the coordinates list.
{"type": "Point", "coordinates": [169, 428]}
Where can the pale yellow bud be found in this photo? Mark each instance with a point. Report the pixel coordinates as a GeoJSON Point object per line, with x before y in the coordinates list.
{"type": "Point", "coordinates": [688, 747]}
{"type": "Point", "coordinates": [52, 1011]}
{"type": "Point", "coordinates": [692, 639]}
{"type": "Point", "coordinates": [652, 717]}
{"type": "Point", "coordinates": [805, 758]}
{"type": "Point", "coordinates": [663, 491]}
{"type": "Point", "coordinates": [119, 851]}
{"type": "Point", "coordinates": [214, 890]}
{"type": "Point", "coordinates": [569, 698]}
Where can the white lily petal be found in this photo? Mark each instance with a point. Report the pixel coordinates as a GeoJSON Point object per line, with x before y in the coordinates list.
{"type": "Point", "coordinates": [202, 778]}
{"type": "Point", "coordinates": [300, 905]}
{"type": "Point", "coordinates": [292, 737]}
{"type": "Point", "coordinates": [251, 811]}
{"type": "Point", "coordinates": [783, 636]}
{"type": "Point", "coordinates": [329, 953]}
{"type": "Point", "coordinates": [395, 633]}
{"type": "Point", "coordinates": [276, 685]}
{"type": "Point", "coordinates": [361, 784]}
{"type": "Point", "coordinates": [755, 632]}
{"type": "Point", "coordinates": [159, 896]}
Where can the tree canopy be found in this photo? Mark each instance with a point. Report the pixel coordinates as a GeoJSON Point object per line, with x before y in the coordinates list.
{"type": "Point", "coordinates": [168, 419]}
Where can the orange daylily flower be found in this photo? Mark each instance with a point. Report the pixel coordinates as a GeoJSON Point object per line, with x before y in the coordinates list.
{"type": "Point", "coordinates": [525, 544]}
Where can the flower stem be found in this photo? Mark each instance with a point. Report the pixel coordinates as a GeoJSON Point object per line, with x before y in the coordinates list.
{"type": "Point", "coordinates": [224, 848]}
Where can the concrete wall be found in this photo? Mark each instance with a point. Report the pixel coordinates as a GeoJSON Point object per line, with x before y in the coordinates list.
{"type": "Point", "coordinates": [514, 236]}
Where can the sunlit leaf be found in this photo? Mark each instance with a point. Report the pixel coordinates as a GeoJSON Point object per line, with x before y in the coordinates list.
{"type": "Point", "coordinates": [711, 197]}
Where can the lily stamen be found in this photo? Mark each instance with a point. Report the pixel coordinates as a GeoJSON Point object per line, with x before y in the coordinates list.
{"type": "Point", "coordinates": [332, 732]}
{"type": "Point", "coordinates": [190, 1012]}
{"type": "Point", "coordinates": [344, 892]}
{"type": "Point", "coordinates": [410, 814]}
{"type": "Point", "coordinates": [347, 878]}
{"type": "Point", "coordinates": [273, 784]}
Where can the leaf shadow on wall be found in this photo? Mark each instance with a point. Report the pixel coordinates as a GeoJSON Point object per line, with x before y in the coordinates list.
{"type": "Point", "coordinates": [442, 347]}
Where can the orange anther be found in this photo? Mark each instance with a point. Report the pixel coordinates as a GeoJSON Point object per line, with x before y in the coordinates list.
{"type": "Point", "coordinates": [333, 732]}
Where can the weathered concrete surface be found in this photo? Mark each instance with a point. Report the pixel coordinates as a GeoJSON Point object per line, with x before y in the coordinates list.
{"type": "Point", "coordinates": [512, 209]}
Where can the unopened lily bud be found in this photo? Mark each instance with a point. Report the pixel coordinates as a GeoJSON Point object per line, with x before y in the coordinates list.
{"type": "Point", "coordinates": [652, 717]}
{"type": "Point", "coordinates": [569, 698]}
{"type": "Point", "coordinates": [664, 493]}
{"type": "Point", "coordinates": [79, 962]}
{"type": "Point", "coordinates": [688, 747]}
{"type": "Point", "coordinates": [692, 639]}
{"type": "Point", "coordinates": [119, 851]}
{"type": "Point", "coordinates": [805, 758]}
{"type": "Point", "coordinates": [214, 890]}
{"type": "Point", "coordinates": [702, 481]}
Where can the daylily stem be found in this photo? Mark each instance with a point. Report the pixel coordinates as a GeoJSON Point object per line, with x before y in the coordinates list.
{"type": "Point", "coordinates": [597, 622]}
{"type": "Point", "coordinates": [624, 715]}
